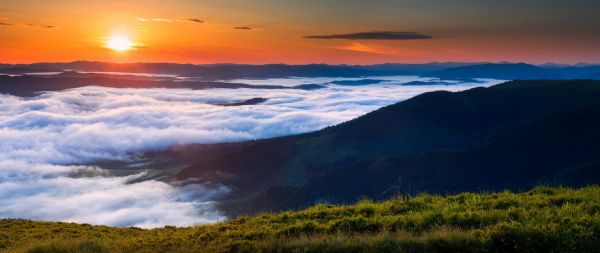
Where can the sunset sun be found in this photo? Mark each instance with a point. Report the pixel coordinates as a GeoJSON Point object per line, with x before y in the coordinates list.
{"type": "Point", "coordinates": [119, 43]}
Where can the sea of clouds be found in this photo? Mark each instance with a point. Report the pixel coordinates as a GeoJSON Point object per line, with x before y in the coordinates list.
{"type": "Point", "coordinates": [45, 139]}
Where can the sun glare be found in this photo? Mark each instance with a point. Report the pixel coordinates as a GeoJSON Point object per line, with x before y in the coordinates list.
{"type": "Point", "coordinates": [119, 43]}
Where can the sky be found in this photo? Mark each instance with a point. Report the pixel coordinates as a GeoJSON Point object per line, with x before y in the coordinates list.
{"type": "Point", "coordinates": [300, 32]}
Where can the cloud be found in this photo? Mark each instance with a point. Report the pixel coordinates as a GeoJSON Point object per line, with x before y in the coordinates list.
{"type": "Point", "coordinates": [378, 35]}
{"type": "Point", "coordinates": [242, 27]}
{"type": "Point", "coordinates": [42, 26]}
{"type": "Point", "coordinates": [195, 20]}
{"type": "Point", "coordinates": [166, 20]}
{"type": "Point", "coordinates": [44, 136]}
{"type": "Point", "coordinates": [47, 192]}
{"type": "Point", "coordinates": [4, 22]}
{"type": "Point", "coordinates": [30, 25]}
{"type": "Point", "coordinates": [372, 49]}
{"type": "Point", "coordinates": [155, 20]}
{"type": "Point", "coordinates": [355, 46]}
{"type": "Point", "coordinates": [139, 47]}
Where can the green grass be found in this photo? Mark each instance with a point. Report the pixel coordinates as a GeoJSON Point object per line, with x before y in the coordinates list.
{"type": "Point", "coordinates": [544, 219]}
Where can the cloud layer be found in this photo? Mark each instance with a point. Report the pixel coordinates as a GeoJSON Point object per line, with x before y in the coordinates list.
{"type": "Point", "coordinates": [42, 137]}
{"type": "Point", "coordinates": [377, 35]}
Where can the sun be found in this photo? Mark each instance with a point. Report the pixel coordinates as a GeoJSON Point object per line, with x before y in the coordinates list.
{"type": "Point", "coordinates": [119, 43]}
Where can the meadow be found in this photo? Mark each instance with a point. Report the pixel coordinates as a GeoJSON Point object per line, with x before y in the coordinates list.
{"type": "Point", "coordinates": [544, 219]}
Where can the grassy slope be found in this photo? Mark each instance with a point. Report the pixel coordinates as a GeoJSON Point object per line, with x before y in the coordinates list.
{"type": "Point", "coordinates": [542, 220]}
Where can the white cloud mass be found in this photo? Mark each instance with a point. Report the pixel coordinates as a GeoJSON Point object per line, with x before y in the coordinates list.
{"type": "Point", "coordinates": [42, 137]}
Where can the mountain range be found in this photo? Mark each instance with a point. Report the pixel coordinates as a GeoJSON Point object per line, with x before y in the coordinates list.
{"type": "Point", "coordinates": [522, 71]}
{"type": "Point", "coordinates": [30, 79]}
{"type": "Point", "coordinates": [212, 72]}
{"type": "Point", "coordinates": [31, 85]}
{"type": "Point", "coordinates": [510, 136]}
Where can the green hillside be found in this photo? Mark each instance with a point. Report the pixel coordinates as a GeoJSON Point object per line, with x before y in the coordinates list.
{"type": "Point", "coordinates": [541, 220]}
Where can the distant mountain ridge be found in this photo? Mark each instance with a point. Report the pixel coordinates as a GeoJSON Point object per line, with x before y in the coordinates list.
{"type": "Point", "coordinates": [235, 71]}
{"type": "Point", "coordinates": [211, 72]}
{"type": "Point", "coordinates": [519, 71]}
{"type": "Point", "coordinates": [498, 71]}
{"type": "Point", "coordinates": [31, 85]}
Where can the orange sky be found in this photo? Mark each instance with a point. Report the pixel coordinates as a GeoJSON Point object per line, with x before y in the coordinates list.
{"type": "Point", "coordinates": [67, 30]}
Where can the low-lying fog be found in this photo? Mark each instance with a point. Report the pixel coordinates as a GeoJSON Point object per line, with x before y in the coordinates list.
{"type": "Point", "coordinates": [43, 137]}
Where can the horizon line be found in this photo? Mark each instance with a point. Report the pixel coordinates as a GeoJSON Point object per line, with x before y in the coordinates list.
{"type": "Point", "coordinates": [296, 64]}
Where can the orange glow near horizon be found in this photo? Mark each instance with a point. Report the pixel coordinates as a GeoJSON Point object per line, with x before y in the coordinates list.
{"type": "Point", "coordinates": [271, 32]}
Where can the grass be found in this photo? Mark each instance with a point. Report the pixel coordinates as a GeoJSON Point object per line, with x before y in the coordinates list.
{"type": "Point", "coordinates": [544, 219]}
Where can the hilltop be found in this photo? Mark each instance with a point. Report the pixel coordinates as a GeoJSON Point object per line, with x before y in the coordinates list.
{"type": "Point", "coordinates": [541, 220]}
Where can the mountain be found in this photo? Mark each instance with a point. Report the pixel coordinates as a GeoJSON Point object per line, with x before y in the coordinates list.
{"type": "Point", "coordinates": [211, 72]}
{"type": "Point", "coordinates": [215, 72]}
{"type": "Point", "coordinates": [582, 72]}
{"type": "Point", "coordinates": [509, 136]}
{"type": "Point", "coordinates": [514, 71]}
{"type": "Point", "coordinates": [507, 71]}
{"type": "Point", "coordinates": [30, 85]}
{"type": "Point", "coordinates": [19, 70]}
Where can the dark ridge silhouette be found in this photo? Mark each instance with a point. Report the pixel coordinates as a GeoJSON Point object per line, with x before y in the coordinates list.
{"type": "Point", "coordinates": [357, 82]}
{"type": "Point", "coordinates": [252, 101]}
{"type": "Point", "coordinates": [309, 86]}
{"type": "Point", "coordinates": [522, 71]}
{"type": "Point", "coordinates": [28, 85]}
{"type": "Point", "coordinates": [450, 81]}
{"type": "Point", "coordinates": [509, 136]}
{"type": "Point", "coordinates": [19, 70]}
{"type": "Point", "coordinates": [498, 71]}
{"type": "Point", "coordinates": [234, 71]}
{"type": "Point", "coordinates": [215, 72]}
